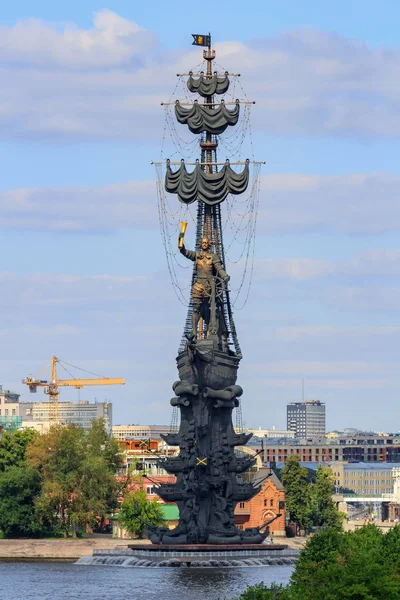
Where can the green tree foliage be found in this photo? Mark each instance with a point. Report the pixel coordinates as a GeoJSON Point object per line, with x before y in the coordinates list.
{"type": "Point", "coordinates": [322, 510]}
{"type": "Point", "coordinates": [13, 447]}
{"type": "Point", "coordinates": [295, 482]}
{"type": "Point", "coordinates": [18, 488]}
{"type": "Point", "coordinates": [264, 592]}
{"type": "Point", "coordinates": [78, 476]}
{"type": "Point", "coordinates": [309, 501]}
{"type": "Point", "coordinates": [137, 510]}
{"type": "Point", "coordinates": [359, 565]}
{"type": "Point", "coordinates": [99, 442]}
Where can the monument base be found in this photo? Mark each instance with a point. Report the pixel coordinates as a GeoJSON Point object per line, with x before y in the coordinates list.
{"type": "Point", "coordinates": [197, 556]}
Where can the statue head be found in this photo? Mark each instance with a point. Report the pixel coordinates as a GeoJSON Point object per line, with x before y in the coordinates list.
{"type": "Point", "coordinates": [205, 243]}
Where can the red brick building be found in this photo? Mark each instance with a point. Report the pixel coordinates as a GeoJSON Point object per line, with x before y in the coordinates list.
{"type": "Point", "coordinates": [268, 503]}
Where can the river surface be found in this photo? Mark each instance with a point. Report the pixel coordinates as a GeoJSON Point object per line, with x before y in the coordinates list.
{"type": "Point", "coordinates": [66, 581]}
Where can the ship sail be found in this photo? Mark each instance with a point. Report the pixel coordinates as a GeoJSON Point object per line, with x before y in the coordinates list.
{"type": "Point", "coordinates": [208, 86]}
{"type": "Point", "coordinates": [201, 118]}
{"type": "Point", "coordinates": [210, 188]}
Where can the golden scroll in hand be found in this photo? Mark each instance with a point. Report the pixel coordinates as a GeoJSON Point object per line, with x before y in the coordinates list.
{"type": "Point", "coordinates": [182, 235]}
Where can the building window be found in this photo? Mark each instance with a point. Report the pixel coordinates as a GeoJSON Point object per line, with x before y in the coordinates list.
{"type": "Point", "coordinates": [241, 505]}
{"type": "Point", "coordinates": [271, 502]}
{"type": "Point", "coordinates": [265, 502]}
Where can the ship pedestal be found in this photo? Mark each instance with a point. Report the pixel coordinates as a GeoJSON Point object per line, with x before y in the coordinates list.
{"type": "Point", "coordinates": [195, 556]}
{"type": "Point", "coordinates": [208, 484]}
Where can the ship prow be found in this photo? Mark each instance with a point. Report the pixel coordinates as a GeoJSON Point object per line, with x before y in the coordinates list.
{"type": "Point", "coordinates": [202, 361]}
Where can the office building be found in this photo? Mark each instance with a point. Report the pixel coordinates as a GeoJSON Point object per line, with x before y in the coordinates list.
{"type": "Point", "coordinates": [271, 433]}
{"type": "Point", "coordinates": [143, 432]}
{"type": "Point", "coordinates": [10, 418]}
{"type": "Point", "coordinates": [364, 479]}
{"type": "Point", "coordinates": [41, 415]}
{"type": "Point", "coordinates": [357, 448]}
{"type": "Point", "coordinates": [306, 419]}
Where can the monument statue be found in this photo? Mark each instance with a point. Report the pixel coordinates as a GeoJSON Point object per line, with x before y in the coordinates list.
{"type": "Point", "coordinates": [207, 268]}
{"type": "Point", "coordinates": [208, 472]}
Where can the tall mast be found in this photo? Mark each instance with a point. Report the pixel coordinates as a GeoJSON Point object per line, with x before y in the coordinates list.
{"type": "Point", "coordinates": [207, 145]}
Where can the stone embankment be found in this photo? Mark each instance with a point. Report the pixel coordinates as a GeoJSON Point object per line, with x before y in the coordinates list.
{"type": "Point", "coordinates": [57, 549]}
{"type": "Point", "coordinates": [72, 549]}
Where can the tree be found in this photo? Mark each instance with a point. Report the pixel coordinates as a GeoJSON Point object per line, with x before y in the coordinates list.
{"type": "Point", "coordinates": [19, 487]}
{"type": "Point", "coordinates": [13, 447]}
{"type": "Point", "coordinates": [78, 483]}
{"type": "Point", "coordinates": [137, 511]}
{"type": "Point", "coordinates": [99, 442]}
{"type": "Point", "coordinates": [358, 565]}
{"type": "Point", "coordinates": [322, 509]}
{"type": "Point", "coordinates": [295, 482]}
{"type": "Point", "coordinates": [351, 565]}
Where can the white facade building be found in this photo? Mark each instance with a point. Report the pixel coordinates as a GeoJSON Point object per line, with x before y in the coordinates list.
{"type": "Point", "coordinates": [126, 432]}
{"type": "Point", "coordinates": [40, 415]}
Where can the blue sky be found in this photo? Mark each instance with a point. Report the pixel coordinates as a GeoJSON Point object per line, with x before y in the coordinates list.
{"type": "Point", "coordinates": [83, 271]}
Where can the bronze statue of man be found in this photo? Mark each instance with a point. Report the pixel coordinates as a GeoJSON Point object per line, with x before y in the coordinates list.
{"type": "Point", "coordinates": [208, 266]}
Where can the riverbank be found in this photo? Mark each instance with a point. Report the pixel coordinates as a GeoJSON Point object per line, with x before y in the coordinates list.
{"type": "Point", "coordinates": [70, 549]}
{"type": "Point", "coordinates": [57, 549]}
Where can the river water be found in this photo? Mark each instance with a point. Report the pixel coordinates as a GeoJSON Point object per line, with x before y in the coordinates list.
{"type": "Point", "coordinates": [66, 581]}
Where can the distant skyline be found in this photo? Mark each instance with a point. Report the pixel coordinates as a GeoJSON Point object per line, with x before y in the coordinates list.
{"type": "Point", "coordinates": [83, 272]}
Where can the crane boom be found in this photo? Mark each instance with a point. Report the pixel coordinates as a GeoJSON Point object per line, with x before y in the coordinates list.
{"type": "Point", "coordinates": [51, 387]}
{"type": "Point", "coordinates": [83, 382]}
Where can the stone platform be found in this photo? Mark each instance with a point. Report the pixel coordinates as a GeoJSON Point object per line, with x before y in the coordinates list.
{"type": "Point", "coordinates": [207, 555]}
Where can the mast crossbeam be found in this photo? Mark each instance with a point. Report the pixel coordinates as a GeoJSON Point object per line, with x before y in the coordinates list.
{"type": "Point", "coordinates": [226, 162]}
{"type": "Point", "coordinates": [200, 74]}
{"type": "Point", "coordinates": [233, 103]}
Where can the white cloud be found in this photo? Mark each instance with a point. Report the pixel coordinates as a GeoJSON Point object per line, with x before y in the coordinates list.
{"type": "Point", "coordinates": [375, 262]}
{"type": "Point", "coordinates": [73, 209]}
{"type": "Point", "coordinates": [353, 369]}
{"type": "Point", "coordinates": [112, 41]}
{"type": "Point", "coordinates": [328, 333]}
{"type": "Point", "coordinates": [369, 263]}
{"type": "Point", "coordinates": [58, 290]}
{"type": "Point", "coordinates": [365, 298]}
{"type": "Point", "coordinates": [359, 203]}
{"type": "Point", "coordinates": [294, 269]}
{"type": "Point", "coordinates": [105, 82]}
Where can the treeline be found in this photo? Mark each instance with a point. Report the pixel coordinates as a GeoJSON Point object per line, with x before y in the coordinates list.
{"type": "Point", "coordinates": [359, 565]}
{"type": "Point", "coordinates": [59, 483]}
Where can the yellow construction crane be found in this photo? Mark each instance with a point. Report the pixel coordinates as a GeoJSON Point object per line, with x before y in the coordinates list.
{"type": "Point", "coordinates": [51, 388]}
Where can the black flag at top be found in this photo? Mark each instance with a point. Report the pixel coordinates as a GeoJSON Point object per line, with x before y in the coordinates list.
{"type": "Point", "coordinates": [201, 40]}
